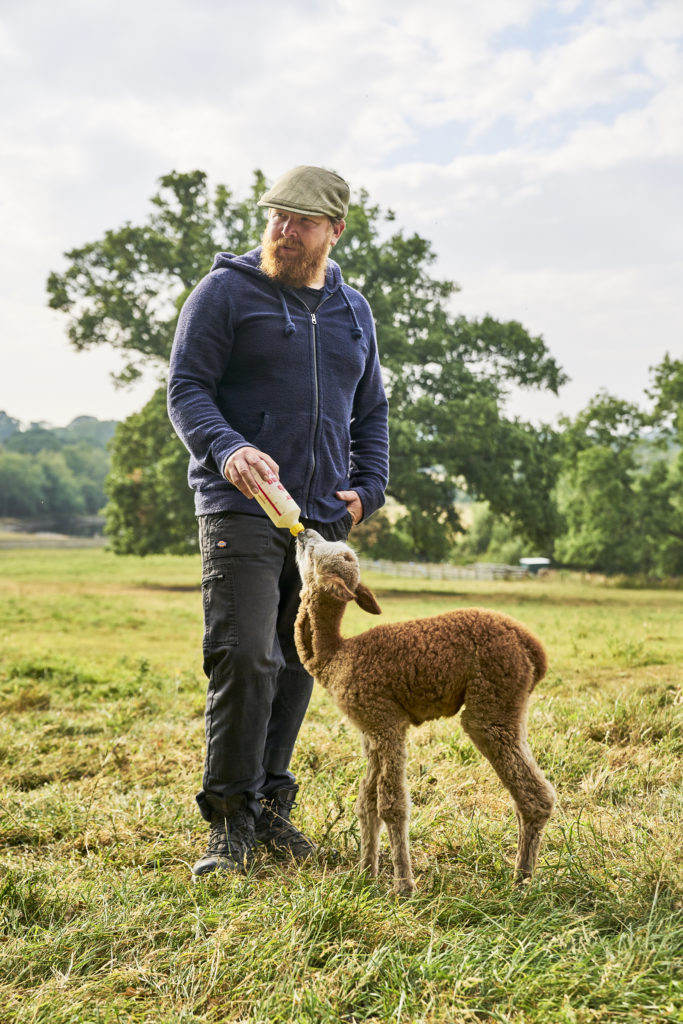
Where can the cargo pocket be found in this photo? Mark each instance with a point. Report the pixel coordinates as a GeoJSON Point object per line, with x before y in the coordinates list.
{"type": "Point", "coordinates": [234, 535]}
{"type": "Point", "coordinates": [218, 598]}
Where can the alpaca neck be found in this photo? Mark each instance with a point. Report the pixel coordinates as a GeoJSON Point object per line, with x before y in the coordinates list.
{"type": "Point", "coordinates": [326, 613]}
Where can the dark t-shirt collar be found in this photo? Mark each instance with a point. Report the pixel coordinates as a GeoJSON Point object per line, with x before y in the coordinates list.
{"type": "Point", "coordinates": [311, 297]}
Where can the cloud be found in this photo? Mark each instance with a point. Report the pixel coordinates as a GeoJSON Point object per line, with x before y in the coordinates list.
{"type": "Point", "coordinates": [534, 143]}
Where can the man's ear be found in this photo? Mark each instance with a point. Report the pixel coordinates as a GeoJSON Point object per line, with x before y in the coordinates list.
{"type": "Point", "coordinates": [337, 231]}
{"type": "Point", "coordinates": [366, 600]}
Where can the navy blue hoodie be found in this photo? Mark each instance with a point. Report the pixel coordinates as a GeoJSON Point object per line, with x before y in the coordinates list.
{"type": "Point", "coordinates": [251, 365]}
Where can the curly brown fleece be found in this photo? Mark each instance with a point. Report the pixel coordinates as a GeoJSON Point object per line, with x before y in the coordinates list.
{"type": "Point", "coordinates": [406, 673]}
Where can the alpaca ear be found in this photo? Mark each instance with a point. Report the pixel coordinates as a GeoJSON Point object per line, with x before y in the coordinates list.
{"type": "Point", "coordinates": [337, 587]}
{"type": "Point", "coordinates": [366, 600]}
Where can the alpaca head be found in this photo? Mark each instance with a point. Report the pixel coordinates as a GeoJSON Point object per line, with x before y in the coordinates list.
{"type": "Point", "coordinates": [332, 566]}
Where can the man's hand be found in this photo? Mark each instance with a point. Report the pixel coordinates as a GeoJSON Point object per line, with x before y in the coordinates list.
{"type": "Point", "coordinates": [241, 467]}
{"type": "Point", "coordinates": [353, 504]}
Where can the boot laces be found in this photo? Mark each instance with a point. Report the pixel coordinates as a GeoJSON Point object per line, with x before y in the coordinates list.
{"type": "Point", "coordinates": [274, 826]}
{"type": "Point", "coordinates": [232, 836]}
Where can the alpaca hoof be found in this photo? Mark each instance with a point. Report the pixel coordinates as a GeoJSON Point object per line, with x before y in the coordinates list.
{"type": "Point", "coordinates": [522, 878]}
{"type": "Point", "coordinates": [404, 886]}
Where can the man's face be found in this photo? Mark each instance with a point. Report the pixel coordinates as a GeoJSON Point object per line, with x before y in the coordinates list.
{"type": "Point", "coordinates": [296, 247]}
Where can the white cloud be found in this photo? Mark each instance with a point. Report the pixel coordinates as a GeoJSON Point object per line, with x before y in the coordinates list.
{"type": "Point", "coordinates": [652, 132]}
{"type": "Point", "coordinates": [538, 145]}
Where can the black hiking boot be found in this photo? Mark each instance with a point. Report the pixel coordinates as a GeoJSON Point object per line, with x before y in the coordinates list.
{"type": "Point", "coordinates": [231, 840]}
{"type": "Point", "coordinates": [275, 831]}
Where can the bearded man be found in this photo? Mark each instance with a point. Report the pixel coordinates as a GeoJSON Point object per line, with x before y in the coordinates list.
{"type": "Point", "coordinates": [274, 373]}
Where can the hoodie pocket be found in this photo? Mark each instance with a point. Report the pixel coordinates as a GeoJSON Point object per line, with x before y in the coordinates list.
{"type": "Point", "coordinates": [335, 457]}
{"type": "Point", "coordinates": [287, 439]}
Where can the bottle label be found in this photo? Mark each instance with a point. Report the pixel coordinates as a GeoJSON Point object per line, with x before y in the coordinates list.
{"type": "Point", "coordinates": [267, 497]}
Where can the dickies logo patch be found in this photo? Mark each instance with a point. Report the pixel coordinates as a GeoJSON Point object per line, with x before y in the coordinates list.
{"type": "Point", "coordinates": [221, 543]}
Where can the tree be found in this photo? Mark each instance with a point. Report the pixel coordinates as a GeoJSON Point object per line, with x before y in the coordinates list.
{"type": "Point", "coordinates": [663, 489]}
{"type": "Point", "coordinates": [620, 489]}
{"type": "Point", "coordinates": [150, 507]}
{"type": "Point", "coordinates": [379, 537]}
{"type": "Point", "coordinates": [661, 493]}
{"type": "Point", "coordinates": [447, 377]}
{"type": "Point", "coordinates": [21, 486]}
{"type": "Point", "coordinates": [87, 430]}
{"type": "Point", "coordinates": [8, 426]}
{"type": "Point", "coordinates": [55, 473]}
{"type": "Point", "coordinates": [62, 495]}
{"type": "Point", "coordinates": [490, 538]}
{"type": "Point", "coordinates": [37, 438]}
{"type": "Point", "coordinates": [126, 289]}
{"type": "Point", "coordinates": [667, 394]}
{"type": "Point", "coordinates": [89, 465]}
{"type": "Point", "coordinates": [603, 513]}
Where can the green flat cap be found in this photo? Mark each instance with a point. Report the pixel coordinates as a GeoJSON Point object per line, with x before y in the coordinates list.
{"type": "Point", "coordinates": [311, 191]}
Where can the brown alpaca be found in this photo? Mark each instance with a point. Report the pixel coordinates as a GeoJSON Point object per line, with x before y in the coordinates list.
{"type": "Point", "coordinates": [406, 673]}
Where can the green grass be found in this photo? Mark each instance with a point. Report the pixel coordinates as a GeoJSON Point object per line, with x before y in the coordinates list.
{"type": "Point", "coordinates": [101, 748]}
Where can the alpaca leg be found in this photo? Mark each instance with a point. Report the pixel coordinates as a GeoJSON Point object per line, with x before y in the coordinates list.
{"type": "Point", "coordinates": [394, 806]}
{"type": "Point", "coordinates": [366, 809]}
{"type": "Point", "coordinates": [510, 755]}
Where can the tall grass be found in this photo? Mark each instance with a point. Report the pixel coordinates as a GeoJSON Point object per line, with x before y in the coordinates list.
{"type": "Point", "coordinates": [101, 746]}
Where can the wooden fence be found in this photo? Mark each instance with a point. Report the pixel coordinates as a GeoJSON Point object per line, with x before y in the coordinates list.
{"type": "Point", "coordinates": [434, 571]}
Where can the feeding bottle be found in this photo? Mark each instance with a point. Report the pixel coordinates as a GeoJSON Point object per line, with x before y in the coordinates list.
{"type": "Point", "coordinates": [278, 504]}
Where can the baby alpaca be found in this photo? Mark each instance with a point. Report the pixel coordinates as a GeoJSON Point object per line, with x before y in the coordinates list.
{"type": "Point", "coordinates": [406, 673]}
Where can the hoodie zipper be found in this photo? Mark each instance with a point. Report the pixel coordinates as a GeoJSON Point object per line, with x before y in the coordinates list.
{"type": "Point", "coordinates": [316, 385]}
{"type": "Point", "coordinates": [316, 404]}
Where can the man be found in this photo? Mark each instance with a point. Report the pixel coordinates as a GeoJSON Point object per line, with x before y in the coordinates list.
{"type": "Point", "coordinates": [274, 372]}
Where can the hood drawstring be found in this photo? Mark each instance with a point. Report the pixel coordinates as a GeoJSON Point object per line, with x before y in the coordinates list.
{"type": "Point", "coordinates": [290, 328]}
{"type": "Point", "coordinates": [356, 330]}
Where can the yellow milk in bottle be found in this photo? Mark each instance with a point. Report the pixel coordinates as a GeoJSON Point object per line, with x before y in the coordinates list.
{"type": "Point", "coordinates": [278, 504]}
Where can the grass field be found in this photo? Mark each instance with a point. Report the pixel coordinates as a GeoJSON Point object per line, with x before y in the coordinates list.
{"type": "Point", "coordinates": [101, 747]}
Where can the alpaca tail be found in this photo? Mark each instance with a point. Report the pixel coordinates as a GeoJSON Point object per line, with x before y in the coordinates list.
{"type": "Point", "coordinates": [536, 652]}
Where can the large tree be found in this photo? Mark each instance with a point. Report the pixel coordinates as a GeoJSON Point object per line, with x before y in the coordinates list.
{"type": "Point", "coordinates": [126, 289]}
{"type": "Point", "coordinates": [447, 376]}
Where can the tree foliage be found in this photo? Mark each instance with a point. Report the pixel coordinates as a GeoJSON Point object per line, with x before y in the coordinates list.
{"type": "Point", "coordinates": [490, 538]}
{"type": "Point", "coordinates": [447, 379]}
{"type": "Point", "coordinates": [8, 426]}
{"type": "Point", "coordinates": [150, 508]}
{"type": "Point", "coordinates": [54, 473]}
{"type": "Point", "coordinates": [447, 376]}
{"type": "Point", "coordinates": [22, 491]}
{"type": "Point", "coordinates": [620, 492]}
{"type": "Point", "coordinates": [126, 289]}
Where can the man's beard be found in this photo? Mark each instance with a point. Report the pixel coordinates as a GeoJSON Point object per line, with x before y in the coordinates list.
{"type": "Point", "coordinates": [293, 270]}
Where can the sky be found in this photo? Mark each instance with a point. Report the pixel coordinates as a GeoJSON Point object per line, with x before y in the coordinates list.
{"type": "Point", "coordinates": [538, 145]}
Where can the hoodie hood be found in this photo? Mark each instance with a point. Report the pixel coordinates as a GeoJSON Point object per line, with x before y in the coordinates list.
{"type": "Point", "coordinates": [250, 263]}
